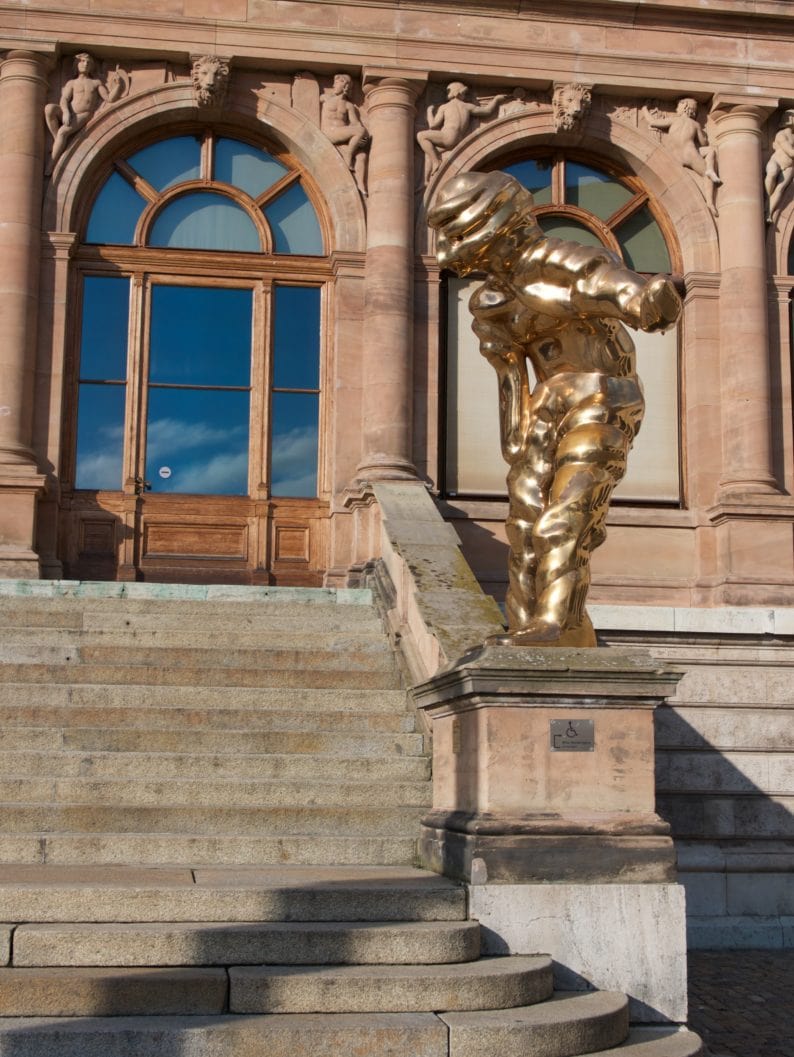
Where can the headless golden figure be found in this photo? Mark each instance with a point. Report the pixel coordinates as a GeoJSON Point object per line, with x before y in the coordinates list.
{"type": "Point", "coordinates": [559, 306]}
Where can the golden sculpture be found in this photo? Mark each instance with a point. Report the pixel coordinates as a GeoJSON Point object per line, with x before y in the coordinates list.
{"type": "Point", "coordinates": [560, 306]}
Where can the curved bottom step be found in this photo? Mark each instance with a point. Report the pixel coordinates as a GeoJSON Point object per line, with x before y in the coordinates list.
{"type": "Point", "coordinates": [569, 1024]}
{"type": "Point", "coordinates": [376, 1034]}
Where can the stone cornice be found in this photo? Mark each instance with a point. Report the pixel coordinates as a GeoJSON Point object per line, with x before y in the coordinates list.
{"type": "Point", "coordinates": [278, 47]}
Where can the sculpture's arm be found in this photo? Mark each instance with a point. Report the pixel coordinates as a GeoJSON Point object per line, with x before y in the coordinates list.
{"type": "Point", "coordinates": [493, 312]}
{"type": "Point", "coordinates": [488, 109]}
{"type": "Point", "coordinates": [569, 279]}
{"type": "Point", "coordinates": [435, 118]}
{"type": "Point", "coordinates": [66, 103]}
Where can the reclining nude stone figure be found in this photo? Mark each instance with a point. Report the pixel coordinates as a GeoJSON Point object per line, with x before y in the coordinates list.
{"type": "Point", "coordinates": [558, 306]}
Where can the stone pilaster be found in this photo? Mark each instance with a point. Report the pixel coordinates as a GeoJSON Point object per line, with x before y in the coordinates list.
{"type": "Point", "coordinates": [388, 299]}
{"type": "Point", "coordinates": [748, 467]}
{"type": "Point", "coordinates": [23, 87]}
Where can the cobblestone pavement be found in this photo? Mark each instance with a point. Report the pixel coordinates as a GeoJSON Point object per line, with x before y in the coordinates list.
{"type": "Point", "coordinates": [741, 1003]}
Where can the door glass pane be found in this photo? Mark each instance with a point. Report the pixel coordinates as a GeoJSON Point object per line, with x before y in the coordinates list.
{"type": "Point", "coordinates": [100, 436]}
{"type": "Point", "coordinates": [294, 223]}
{"type": "Point", "coordinates": [200, 335]}
{"type": "Point", "coordinates": [170, 162]}
{"type": "Point", "coordinates": [197, 441]}
{"type": "Point", "coordinates": [246, 167]}
{"type": "Point", "coordinates": [103, 345]}
{"type": "Point", "coordinates": [594, 191]}
{"type": "Point", "coordinates": [565, 228]}
{"type": "Point", "coordinates": [115, 213]}
{"type": "Point", "coordinates": [535, 175]}
{"type": "Point", "coordinates": [642, 242]}
{"type": "Point", "coordinates": [296, 337]}
{"type": "Point", "coordinates": [293, 457]}
{"type": "Point", "coordinates": [205, 221]}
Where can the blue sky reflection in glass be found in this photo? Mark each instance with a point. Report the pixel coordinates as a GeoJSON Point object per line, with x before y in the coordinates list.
{"type": "Point", "coordinates": [246, 167]}
{"type": "Point", "coordinates": [169, 162]}
{"type": "Point", "coordinates": [103, 359]}
{"type": "Point", "coordinates": [115, 213]}
{"type": "Point", "coordinates": [199, 380]}
{"type": "Point", "coordinates": [205, 220]}
{"type": "Point", "coordinates": [295, 414]}
{"type": "Point", "coordinates": [294, 223]}
{"type": "Point", "coordinates": [535, 175]}
{"type": "Point", "coordinates": [294, 435]}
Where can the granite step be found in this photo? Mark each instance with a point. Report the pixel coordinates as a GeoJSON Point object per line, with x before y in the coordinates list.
{"type": "Point", "coordinates": [216, 820]}
{"type": "Point", "coordinates": [336, 699]}
{"type": "Point", "coordinates": [91, 991]}
{"type": "Point", "coordinates": [376, 1035]}
{"type": "Point", "coordinates": [490, 983]}
{"type": "Point", "coordinates": [154, 740]}
{"type": "Point", "coordinates": [189, 894]}
{"type": "Point", "coordinates": [672, 1041]}
{"type": "Point", "coordinates": [81, 656]}
{"type": "Point", "coordinates": [325, 848]}
{"type": "Point", "coordinates": [246, 943]}
{"type": "Point", "coordinates": [97, 992]}
{"type": "Point", "coordinates": [367, 638]}
{"type": "Point", "coordinates": [177, 791]}
{"type": "Point", "coordinates": [205, 675]}
{"type": "Point", "coordinates": [130, 716]}
{"type": "Point", "coordinates": [281, 1035]}
{"type": "Point", "coordinates": [569, 1024]}
{"type": "Point", "coordinates": [129, 615]}
{"type": "Point", "coordinates": [242, 766]}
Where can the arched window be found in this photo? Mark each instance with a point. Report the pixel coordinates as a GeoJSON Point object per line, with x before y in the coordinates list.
{"type": "Point", "coordinates": [198, 352]}
{"type": "Point", "coordinates": [574, 200]}
{"type": "Point", "coordinates": [179, 334]}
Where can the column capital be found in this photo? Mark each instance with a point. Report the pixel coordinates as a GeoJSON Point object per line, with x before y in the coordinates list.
{"type": "Point", "coordinates": [406, 81]}
{"type": "Point", "coordinates": [18, 62]}
{"type": "Point", "coordinates": [742, 112]}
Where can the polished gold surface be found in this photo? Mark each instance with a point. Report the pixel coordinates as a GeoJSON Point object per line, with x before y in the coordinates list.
{"type": "Point", "coordinates": [558, 306]}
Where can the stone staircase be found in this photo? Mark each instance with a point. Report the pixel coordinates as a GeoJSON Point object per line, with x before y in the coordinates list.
{"type": "Point", "coordinates": [208, 822]}
{"type": "Point", "coordinates": [150, 730]}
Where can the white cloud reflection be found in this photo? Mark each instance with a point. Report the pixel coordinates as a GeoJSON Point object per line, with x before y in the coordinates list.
{"type": "Point", "coordinates": [294, 462]}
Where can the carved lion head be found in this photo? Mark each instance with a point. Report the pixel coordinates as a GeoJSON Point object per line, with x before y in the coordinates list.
{"type": "Point", "coordinates": [210, 80]}
{"type": "Point", "coordinates": [571, 105]}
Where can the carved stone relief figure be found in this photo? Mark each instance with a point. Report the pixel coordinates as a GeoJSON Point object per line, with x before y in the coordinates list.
{"type": "Point", "coordinates": [81, 97]}
{"type": "Point", "coordinates": [687, 141]}
{"type": "Point", "coordinates": [626, 115]}
{"type": "Point", "coordinates": [449, 123]}
{"type": "Point", "coordinates": [570, 106]}
{"type": "Point", "coordinates": [341, 122]}
{"type": "Point", "coordinates": [780, 167]}
{"type": "Point", "coordinates": [210, 75]}
{"type": "Point", "coordinates": [518, 103]}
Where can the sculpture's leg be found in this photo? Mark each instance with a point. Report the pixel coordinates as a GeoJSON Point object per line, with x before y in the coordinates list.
{"type": "Point", "coordinates": [527, 483]}
{"type": "Point", "coordinates": [525, 508]}
{"type": "Point", "coordinates": [590, 459]}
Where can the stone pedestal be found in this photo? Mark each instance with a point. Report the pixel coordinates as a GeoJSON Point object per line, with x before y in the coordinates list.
{"type": "Point", "coordinates": [543, 768]}
{"type": "Point", "coordinates": [543, 801]}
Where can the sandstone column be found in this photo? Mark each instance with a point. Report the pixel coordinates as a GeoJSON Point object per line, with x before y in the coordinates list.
{"type": "Point", "coordinates": [23, 87]}
{"type": "Point", "coordinates": [388, 299]}
{"type": "Point", "coordinates": [744, 327]}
